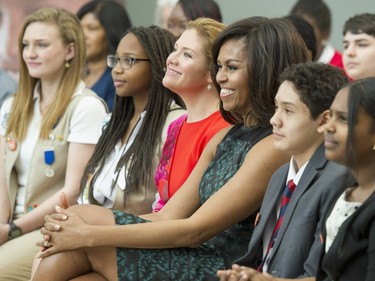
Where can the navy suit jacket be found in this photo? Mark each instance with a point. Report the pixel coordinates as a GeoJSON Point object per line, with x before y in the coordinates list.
{"type": "Point", "coordinates": [297, 248]}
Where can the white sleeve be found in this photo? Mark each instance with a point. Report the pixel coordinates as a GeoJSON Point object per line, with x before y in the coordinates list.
{"type": "Point", "coordinates": [4, 115]}
{"type": "Point", "coordinates": [87, 121]}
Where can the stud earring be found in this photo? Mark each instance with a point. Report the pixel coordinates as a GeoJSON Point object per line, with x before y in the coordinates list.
{"type": "Point", "coordinates": [209, 86]}
{"type": "Point", "coordinates": [67, 64]}
{"type": "Point", "coordinates": [373, 148]}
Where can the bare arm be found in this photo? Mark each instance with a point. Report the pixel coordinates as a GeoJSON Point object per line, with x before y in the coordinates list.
{"type": "Point", "coordinates": [4, 196]}
{"type": "Point", "coordinates": [187, 224]}
{"type": "Point", "coordinates": [78, 156]}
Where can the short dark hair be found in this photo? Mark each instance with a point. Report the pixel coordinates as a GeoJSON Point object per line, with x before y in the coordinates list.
{"type": "Point", "coordinates": [316, 84]}
{"type": "Point", "coordinates": [317, 11]}
{"type": "Point", "coordinates": [112, 16]}
{"type": "Point", "coordinates": [194, 9]}
{"type": "Point", "coordinates": [362, 23]}
{"type": "Point", "coordinates": [306, 30]}
{"type": "Point", "coordinates": [270, 46]}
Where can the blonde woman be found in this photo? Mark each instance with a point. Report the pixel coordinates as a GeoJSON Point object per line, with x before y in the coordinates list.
{"type": "Point", "coordinates": [48, 132]}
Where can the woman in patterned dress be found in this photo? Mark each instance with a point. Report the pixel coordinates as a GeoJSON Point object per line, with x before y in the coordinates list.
{"type": "Point", "coordinates": [209, 221]}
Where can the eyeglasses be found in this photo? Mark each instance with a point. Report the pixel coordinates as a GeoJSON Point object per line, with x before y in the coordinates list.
{"type": "Point", "coordinates": [125, 62]}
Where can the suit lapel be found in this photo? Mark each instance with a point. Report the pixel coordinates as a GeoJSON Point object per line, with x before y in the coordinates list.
{"type": "Point", "coordinates": [316, 162]}
{"type": "Point", "coordinates": [268, 210]}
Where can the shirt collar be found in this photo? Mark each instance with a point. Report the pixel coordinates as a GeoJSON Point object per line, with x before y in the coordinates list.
{"type": "Point", "coordinates": [293, 174]}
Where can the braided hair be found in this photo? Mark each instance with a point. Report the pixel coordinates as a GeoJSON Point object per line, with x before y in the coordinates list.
{"type": "Point", "coordinates": [158, 44]}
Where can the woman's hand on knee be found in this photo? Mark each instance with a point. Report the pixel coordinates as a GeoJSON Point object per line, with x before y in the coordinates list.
{"type": "Point", "coordinates": [50, 223]}
{"type": "Point", "coordinates": [62, 235]}
{"type": "Point", "coordinates": [55, 217]}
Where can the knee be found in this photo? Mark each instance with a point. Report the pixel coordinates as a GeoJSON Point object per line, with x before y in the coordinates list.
{"type": "Point", "coordinates": [93, 214]}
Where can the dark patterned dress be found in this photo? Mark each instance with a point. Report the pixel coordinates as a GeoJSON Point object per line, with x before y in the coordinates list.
{"type": "Point", "coordinates": [197, 263]}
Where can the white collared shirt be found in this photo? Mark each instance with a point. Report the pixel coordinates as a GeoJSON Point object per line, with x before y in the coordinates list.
{"type": "Point", "coordinates": [102, 191]}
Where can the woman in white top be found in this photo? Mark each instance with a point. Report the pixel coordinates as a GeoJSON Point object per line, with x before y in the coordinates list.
{"type": "Point", "coordinates": [48, 132]}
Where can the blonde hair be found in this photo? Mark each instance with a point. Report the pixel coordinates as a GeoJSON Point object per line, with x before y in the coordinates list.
{"type": "Point", "coordinates": [70, 30]}
{"type": "Point", "coordinates": [208, 29]}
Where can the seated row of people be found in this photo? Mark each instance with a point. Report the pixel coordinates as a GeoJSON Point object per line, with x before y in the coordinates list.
{"type": "Point", "coordinates": [207, 223]}
{"type": "Point", "coordinates": [220, 193]}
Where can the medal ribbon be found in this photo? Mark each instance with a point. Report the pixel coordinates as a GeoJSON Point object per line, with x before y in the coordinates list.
{"type": "Point", "coordinates": [49, 156]}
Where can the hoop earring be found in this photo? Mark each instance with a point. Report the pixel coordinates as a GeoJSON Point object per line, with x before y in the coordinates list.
{"type": "Point", "coordinates": [67, 64]}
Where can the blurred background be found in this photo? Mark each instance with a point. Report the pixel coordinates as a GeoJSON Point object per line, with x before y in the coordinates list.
{"type": "Point", "coordinates": [142, 12]}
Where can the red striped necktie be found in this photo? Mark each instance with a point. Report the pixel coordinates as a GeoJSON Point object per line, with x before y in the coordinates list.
{"type": "Point", "coordinates": [287, 194]}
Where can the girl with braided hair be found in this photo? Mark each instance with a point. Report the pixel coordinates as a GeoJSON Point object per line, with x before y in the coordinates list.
{"type": "Point", "coordinates": [120, 173]}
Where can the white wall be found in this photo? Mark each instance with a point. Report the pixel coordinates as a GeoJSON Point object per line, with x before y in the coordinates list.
{"type": "Point", "coordinates": [142, 11]}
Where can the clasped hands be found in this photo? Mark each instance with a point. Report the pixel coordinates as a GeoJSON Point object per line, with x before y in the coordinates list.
{"type": "Point", "coordinates": [243, 273]}
{"type": "Point", "coordinates": [61, 231]}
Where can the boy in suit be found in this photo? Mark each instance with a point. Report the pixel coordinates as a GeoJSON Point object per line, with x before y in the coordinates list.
{"type": "Point", "coordinates": [287, 244]}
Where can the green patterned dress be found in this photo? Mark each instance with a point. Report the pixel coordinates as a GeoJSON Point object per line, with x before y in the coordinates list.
{"type": "Point", "coordinates": [219, 252]}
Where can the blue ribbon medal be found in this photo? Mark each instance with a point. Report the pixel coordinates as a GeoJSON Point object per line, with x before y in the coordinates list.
{"type": "Point", "coordinates": [49, 158]}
